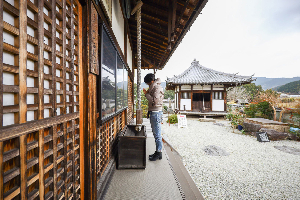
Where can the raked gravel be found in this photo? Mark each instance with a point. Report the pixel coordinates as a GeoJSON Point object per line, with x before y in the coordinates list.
{"type": "Point", "coordinates": [252, 170]}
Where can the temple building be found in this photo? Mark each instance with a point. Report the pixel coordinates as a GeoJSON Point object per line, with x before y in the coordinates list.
{"type": "Point", "coordinates": [203, 90]}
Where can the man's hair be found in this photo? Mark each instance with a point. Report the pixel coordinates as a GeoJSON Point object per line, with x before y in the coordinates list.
{"type": "Point", "coordinates": [149, 77]}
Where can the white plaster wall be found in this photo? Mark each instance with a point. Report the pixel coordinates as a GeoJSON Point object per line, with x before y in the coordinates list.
{"type": "Point", "coordinates": [118, 23]}
{"type": "Point", "coordinates": [186, 87]}
{"type": "Point", "coordinates": [217, 105]}
{"type": "Point", "coordinates": [129, 54]}
{"type": "Point", "coordinates": [186, 102]}
{"type": "Point", "coordinates": [218, 87]}
{"type": "Point", "coordinates": [200, 87]}
{"type": "Point", "coordinates": [8, 119]}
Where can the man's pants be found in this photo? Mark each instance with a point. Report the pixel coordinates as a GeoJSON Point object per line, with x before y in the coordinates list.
{"type": "Point", "coordinates": [155, 120]}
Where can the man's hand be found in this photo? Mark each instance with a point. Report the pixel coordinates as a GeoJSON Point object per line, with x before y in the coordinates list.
{"type": "Point", "coordinates": [145, 91]}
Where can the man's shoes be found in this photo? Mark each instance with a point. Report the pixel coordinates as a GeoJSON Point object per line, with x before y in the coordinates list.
{"type": "Point", "coordinates": [155, 156]}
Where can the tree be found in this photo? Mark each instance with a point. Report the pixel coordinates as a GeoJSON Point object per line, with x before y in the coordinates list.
{"type": "Point", "coordinates": [235, 93]}
{"type": "Point", "coordinates": [169, 94]}
{"type": "Point", "coordinates": [252, 90]}
{"type": "Point", "coordinates": [272, 97]}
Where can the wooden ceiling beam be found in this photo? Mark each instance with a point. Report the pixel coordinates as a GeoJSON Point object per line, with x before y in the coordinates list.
{"type": "Point", "coordinates": [154, 54]}
{"type": "Point", "coordinates": [148, 31]}
{"type": "Point", "coordinates": [154, 29]}
{"type": "Point", "coordinates": [183, 3]}
{"type": "Point", "coordinates": [161, 21]}
{"type": "Point", "coordinates": [158, 26]}
{"type": "Point", "coordinates": [147, 46]}
{"type": "Point", "coordinates": [149, 5]}
{"type": "Point", "coordinates": [151, 42]}
{"type": "Point", "coordinates": [148, 61]}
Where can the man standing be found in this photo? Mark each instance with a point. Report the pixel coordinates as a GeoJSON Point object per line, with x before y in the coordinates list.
{"type": "Point", "coordinates": [155, 96]}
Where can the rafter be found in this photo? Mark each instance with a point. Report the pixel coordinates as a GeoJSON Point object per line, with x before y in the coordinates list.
{"type": "Point", "coordinates": [150, 42]}
{"type": "Point", "coordinates": [148, 30]}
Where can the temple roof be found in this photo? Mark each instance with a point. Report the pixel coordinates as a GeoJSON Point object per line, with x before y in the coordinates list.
{"type": "Point", "coordinates": [197, 74]}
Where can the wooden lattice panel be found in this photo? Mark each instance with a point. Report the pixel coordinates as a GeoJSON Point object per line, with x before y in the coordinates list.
{"type": "Point", "coordinates": [39, 119]}
{"type": "Point", "coordinates": [106, 139]}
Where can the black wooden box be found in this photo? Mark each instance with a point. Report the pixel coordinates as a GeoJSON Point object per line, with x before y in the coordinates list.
{"type": "Point", "coordinates": [132, 149]}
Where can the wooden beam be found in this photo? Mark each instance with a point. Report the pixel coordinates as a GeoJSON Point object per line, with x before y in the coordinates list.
{"type": "Point", "coordinates": [23, 95]}
{"type": "Point", "coordinates": [138, 6]}
{"type": "Point", "coordinates": [1, 164]}
{"type": "Point", "coordinates": [53, 101]}
{"type": "Point", "coordinates": [41, 95]}
{"type": "Point", "coordinates": [155, 18]}
{"type": "Point", "coordinates": [149, 31]}
{"type": "Point", "coordinates": [211, 98]}
{"type": "Point", "coordinates": [1, 83]}
{"type": "Point", "coordinates": [149, 46]}
{"type": "Point", "coordinates": [192, 97]}
{"type": "Point", "coordinates": [149, 5]}
{"type": "Point", "coordinates": [150, 42]}
{"type": "Point", "coordinates": [156, 29]}
{"type": "Point", "coordinates": [81, 100]}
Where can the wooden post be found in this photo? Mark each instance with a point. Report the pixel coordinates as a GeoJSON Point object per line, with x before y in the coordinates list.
{"type": "Point", "coordinates": [53, 99]}
{"type": "Point", "coordinates": [179, 97]}
{"type": "Point", "coordinates": [83, 107]}
{"type": "Point", "coordinates": [225, 99]}
{"type": "Point", "coordinates": [211, 98]}
{"type": "Point", "coordinates": [23, 94]}
{"type": "Point", "coordinates": [1, 165]}
{"type": "Point", "coordinates": [41, 96]}
{"type": "Point", "coordinates": [137, 9]}
{"type": "Point", "coordinates": [191, 97]}
{"type": "Point", "coordinates": [1, 77]}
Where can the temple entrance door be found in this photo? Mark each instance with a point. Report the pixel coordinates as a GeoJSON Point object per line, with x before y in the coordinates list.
{"type": "Point", "coordinates": [198, 105]}
{"type": "Point", "coordinates": [197, 102]}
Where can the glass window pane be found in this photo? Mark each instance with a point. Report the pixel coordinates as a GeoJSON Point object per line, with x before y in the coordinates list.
{"type": "Point", "coordinates": [120, 84]}
{"type": "Point", "coordinates": [185, 95]}
{"type": "Point", "coordinates": [125, 87]}
{"type": "Point", "coordinates": [108, 74]}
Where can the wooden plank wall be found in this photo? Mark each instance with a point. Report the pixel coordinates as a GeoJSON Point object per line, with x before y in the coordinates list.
{"type": "Point", "coordinates": [39, 99]}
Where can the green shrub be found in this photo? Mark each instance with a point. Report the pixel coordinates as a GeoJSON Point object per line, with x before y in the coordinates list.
{"type": "Point", "coordinates": [265, 110]}
{"type": "Point", "coordinates": [250, 111]}
{"type": "Point", "coordinates": [229, 116]}
{"type": "Point", "coordinates": [172, 119]}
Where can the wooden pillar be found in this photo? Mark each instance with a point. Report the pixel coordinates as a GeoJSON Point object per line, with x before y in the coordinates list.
{"type": "Point", "coordinates": [1, 169]}
{"type": "Point", "coordinates": [225, 98]}
{"type": "Point", "coordinates": [83, 107]}
{"type": "Point", "coordinates": [179, 97]}
{"type": "Point", "coordinates": [41, 95]}
{"type": "Point", "coordinates": [192, 97]}
{"type": "Point", "coordinates": [23, 94]}
{"type": "Point", "coordinates": [211, 98]}
{"type": "Point", "coordinates": [1, 79]}
{"type": "Point", "coordinates": [125, 39]}
{"type": "Point", "coordinates": [139, 112]}
{"type": "Point", "coordinates": [53, 111]}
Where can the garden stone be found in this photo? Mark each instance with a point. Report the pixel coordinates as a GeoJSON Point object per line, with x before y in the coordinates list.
{"type": "Point", "coordinates": [251, 127]}
{"type": "Point", "coordinates": [292, 136]}
{"type": "Point", "coordinates": [274, 135]}
{"type": "Point", "coordinates": [213, 150]}
{"type": "Point", "coordinates": [287, 149]}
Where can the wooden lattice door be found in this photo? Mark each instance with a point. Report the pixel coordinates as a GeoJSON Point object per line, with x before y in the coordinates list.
{"type": "Point", "coordinates": [39, 99]}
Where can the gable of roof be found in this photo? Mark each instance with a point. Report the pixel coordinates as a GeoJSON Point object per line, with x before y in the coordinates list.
{"type": "Point", "coordinates": [198, 74]}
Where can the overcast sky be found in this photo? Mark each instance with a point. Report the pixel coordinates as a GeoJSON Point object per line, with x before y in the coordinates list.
{"type": "Point", "coordinates": [260, 37]}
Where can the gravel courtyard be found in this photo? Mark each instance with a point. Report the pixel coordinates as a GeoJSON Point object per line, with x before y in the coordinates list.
{"type": "Point", "coordinates": [250, 170]}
